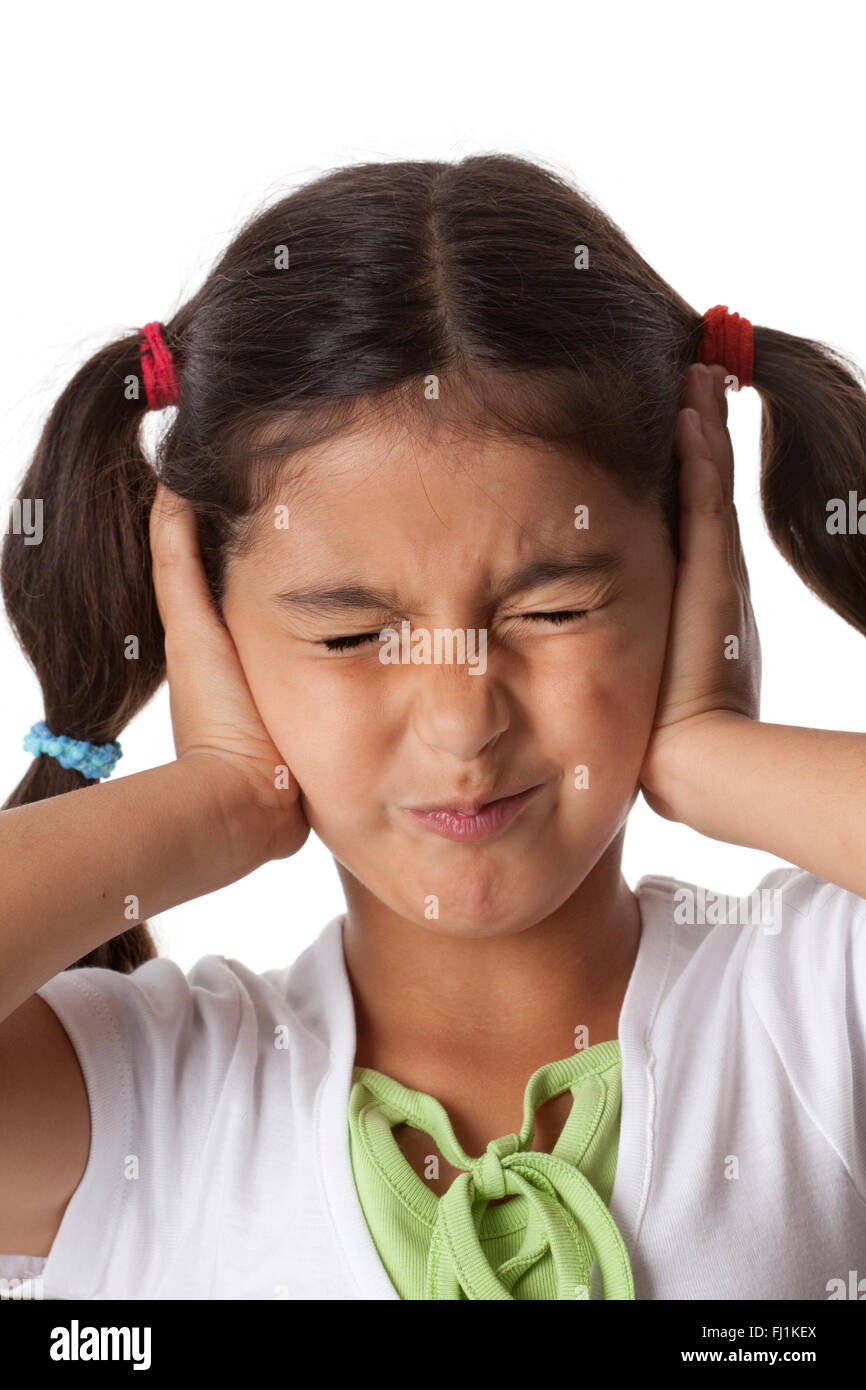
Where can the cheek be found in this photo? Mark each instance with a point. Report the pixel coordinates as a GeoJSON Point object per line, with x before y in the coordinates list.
{"type": "Point", "coordinates": [326, 721]}
{"type": "Point", "coordinates": [592, 700]}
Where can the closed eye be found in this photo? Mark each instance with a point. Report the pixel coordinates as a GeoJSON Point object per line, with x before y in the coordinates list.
{"type": "Point", "coordinates": [340, 644]}
{"type": "Point", "coordinates": [564, 616]}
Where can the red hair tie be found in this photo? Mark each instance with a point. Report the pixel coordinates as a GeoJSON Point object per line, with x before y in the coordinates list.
{"type": "Point", "coordinates": [157, 368]}
{"type": "Point", "coordinates": [728, 341]}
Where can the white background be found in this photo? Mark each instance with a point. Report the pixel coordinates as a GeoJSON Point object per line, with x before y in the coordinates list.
{"type": "Point", "coordinates": [726, 141]}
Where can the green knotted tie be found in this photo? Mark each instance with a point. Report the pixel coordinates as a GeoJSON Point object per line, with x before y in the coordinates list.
{"type": "Point", "coordinates": [565, 1211]}
{"type": "Point", "coordinates": [566, 1215]}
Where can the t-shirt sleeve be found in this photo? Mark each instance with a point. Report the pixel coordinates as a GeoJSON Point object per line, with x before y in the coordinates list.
{"type": "Point", "coordinates": [158, 1049]}
{"type": "Point", "coordinates": [807, 979]}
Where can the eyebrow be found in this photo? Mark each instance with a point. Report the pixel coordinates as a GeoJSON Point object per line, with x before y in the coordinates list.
{"type": "Point", "coordinates": [361, 598]}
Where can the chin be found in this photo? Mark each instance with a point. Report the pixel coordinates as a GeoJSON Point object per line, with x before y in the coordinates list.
{"type": "Point", "coordinates": [475, 910]}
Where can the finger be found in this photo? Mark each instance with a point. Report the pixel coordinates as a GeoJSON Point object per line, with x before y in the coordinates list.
{"type": "Point", "coordinates": [712, 409]}
{"type": "Point", "coordinates": [182, 592]}
{"type": "Point", "coordinates": [704, 523]}
{"type": "Point", "coordinates": [720, 376]}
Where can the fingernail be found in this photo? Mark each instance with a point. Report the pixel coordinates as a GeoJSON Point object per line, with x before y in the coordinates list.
{"type": "Point", "coordinates": [707, 383]}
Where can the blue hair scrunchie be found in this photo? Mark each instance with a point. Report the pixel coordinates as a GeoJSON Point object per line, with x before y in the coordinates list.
{"type": "Point", "coordinates": [94, 760]}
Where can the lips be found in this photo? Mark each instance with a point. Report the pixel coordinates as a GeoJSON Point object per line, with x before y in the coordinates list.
{"type": "Point", "coordinates": [490, 819]}
{"type": "Point", "coordinates": [458, 807]}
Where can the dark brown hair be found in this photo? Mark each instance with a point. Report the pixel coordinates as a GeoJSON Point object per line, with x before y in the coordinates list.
{"type": "Point", "coordinates": [334, 306]}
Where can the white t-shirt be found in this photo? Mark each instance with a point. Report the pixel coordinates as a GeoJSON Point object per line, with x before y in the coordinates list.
{"type": "Point", "coordinates": [219, 1163]}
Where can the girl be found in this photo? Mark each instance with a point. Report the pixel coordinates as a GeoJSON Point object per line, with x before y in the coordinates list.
{"type": "Point", "coordinates": [418, 403]}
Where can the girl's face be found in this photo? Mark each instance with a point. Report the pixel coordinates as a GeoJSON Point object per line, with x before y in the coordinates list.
{"type": "Point", "coordinates": [479, 537]}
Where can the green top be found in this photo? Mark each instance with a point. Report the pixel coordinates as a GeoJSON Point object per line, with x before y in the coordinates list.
{"type": "Point", "coordinates": [540, 1245]}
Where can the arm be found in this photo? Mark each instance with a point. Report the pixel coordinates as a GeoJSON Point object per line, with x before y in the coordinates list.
{"type": "Point", "coordinates": [69, 863]}
{"type": "Point", "coordinates": [797, 793]}
{"type": "Point", "coordinates": [794, 792]}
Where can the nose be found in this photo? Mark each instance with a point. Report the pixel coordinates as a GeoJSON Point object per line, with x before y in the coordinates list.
{"type": "Point", "coordinates": [457, 712]}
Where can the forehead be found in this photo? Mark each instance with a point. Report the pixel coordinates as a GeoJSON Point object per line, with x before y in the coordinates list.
{"type": "Point", "coordinates": [446, 497]}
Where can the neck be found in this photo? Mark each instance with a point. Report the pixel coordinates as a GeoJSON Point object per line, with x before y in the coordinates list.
{"type": "Point", "coordinates": [430, 1007]}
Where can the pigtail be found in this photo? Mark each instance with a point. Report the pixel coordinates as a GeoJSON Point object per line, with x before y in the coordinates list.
{"type": "Point", "coordinates": [81, 601]}
{"type": "Point", "coordinates": [813, 450]}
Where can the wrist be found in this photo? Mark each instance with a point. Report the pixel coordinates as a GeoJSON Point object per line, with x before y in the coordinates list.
{"type": "Point", "coordinates": [678, 771]}
{"type": "Point", "coordinates": [241, 825]}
